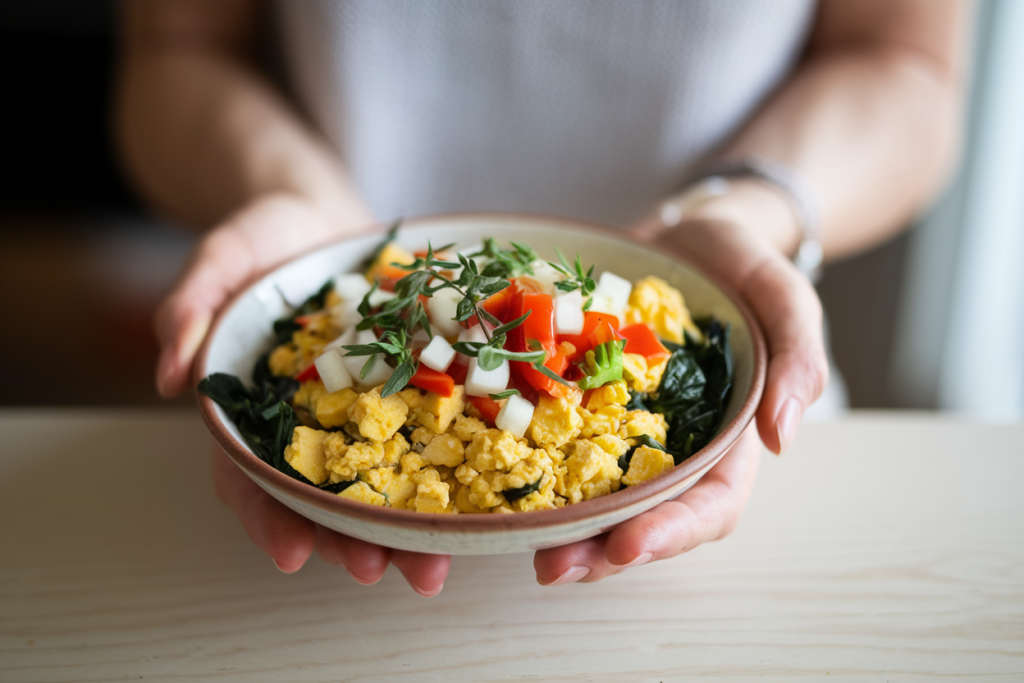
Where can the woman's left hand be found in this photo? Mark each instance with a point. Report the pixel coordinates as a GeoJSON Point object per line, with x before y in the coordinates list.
{"type": "Point", "coordinates": [789, 312]}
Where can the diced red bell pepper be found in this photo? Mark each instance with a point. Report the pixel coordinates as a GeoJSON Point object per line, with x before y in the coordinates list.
{"type": "Point", "coordinates": [429, 379]}
{"type": "Point", "coordinates": [557, 363]}
{"type": "Point", "coordinates": [537, 332]}
{"type": "Point", "coordinates": [498, 303]}
{"type": "Point", "coordinates": [305, 320]}
{"type": "Point", "coordinates": [540, 326]}
{"type": "Point", "coordinates": [582, 341]}
{"type": "Point", "coordinates": [388, 276]}
{"type": "Point", "coordinates": [458, 371]}
{"type": "Point", "coordinates": [487, 406]}
{"type": "Point", "coordinates": [308, 375]}
{"type": "Point", "coordinates": [603, 333]}
{"type": "Point", "coordinates": [641, 339]}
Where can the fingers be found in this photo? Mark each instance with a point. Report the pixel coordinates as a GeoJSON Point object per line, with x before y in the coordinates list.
{"type": "Point", "coordinates": [262, 235]}
{"type": "Point", "coordinates": [790, 314]}
{"type": "Point", "coordinates": [425, 573]}
{"type": "Point", "coordinates": [785, 304]}
{"type": "Point", "coordinates": [581, 561]}
{"type": "Point", "coordinates": [365, 561]}
{"type": "Point", "coordinates": [289, 538]}
{"type": "Point", "coordinates": [278, 531]}
{"type": "Point", "coordinates": [707, 512]}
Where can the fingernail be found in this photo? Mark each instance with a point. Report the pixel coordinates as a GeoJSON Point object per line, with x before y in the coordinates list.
{"type": "Point", "coordinates": [282, 569]}
{"type": "Point", "coordinates": [425, 593]}
{"type": "Point", "coordinates": [787, 422]}
{"type": "Point", "coordinates": [192, 339]}
{"type": "Point", "coordinates": [164, 372]}
{"type": "Point", "coordinates": [642, 558]}
{"type": "Point", "coordinates": [571, 575]}
{"type": "Point", "coordinates": [361, 580]}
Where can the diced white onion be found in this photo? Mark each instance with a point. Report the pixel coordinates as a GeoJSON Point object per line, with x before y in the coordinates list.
{"type": "Point", "coordinates": [473, 334]}
{"type": "Point", "coordinates": [515, 416]}
{"type": "Point", "coordinates": [380, 372]}
{"type": "Point", "coordinates": [332, 370]}
{"type": "Point", "coordinates": [346, 314]}
{"type": "Point", "coordinates": [480, 382]}
{"type": "Point", "coordinates": [346, 338]}
{"type": "Point", "coordinates": [380, 296]}
{"type": "Point", "coordinates": [600, 303]}
{"type": "Point", "coordinates": [612, 294]}
{"type": "Point", "coordinates": [442, 308]}
{"type": "Point", "coordinates": [569, 313]}
{"type": "Point", "coordinates": [545, 274]}
{"type": "Point", "coordinates": [438, 354]}
{"type": "Point", "coordinates": [351, 287]}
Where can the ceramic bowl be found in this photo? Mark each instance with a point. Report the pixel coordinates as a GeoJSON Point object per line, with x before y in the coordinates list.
{"type": "Point", "coordinates": [243, 331]}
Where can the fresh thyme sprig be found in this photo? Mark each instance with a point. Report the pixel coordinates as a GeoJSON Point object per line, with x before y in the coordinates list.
{"type": "Point", "coordinates": [575, 277]}
{"type": "Point", "coordinates": [398, 317]}
{"type": "Point", "coordinates": [507, 263]}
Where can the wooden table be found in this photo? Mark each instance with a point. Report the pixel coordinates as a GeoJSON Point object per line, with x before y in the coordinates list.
{"type": "Point", "coordinates": [882, 547]}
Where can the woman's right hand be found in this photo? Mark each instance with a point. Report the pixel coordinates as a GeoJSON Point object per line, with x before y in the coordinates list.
{"type": "Point", "coordinates": [260, 236]}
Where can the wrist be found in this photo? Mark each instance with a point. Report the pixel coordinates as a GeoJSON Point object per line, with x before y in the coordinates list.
{"type": "Point", "coordinates": [759, 208]}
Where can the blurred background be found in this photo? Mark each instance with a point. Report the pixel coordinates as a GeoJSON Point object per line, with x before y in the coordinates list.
{"type": "Point", "coordinates": [934, 319]}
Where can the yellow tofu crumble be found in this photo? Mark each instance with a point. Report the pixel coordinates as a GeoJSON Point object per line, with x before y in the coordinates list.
{"type": "Point", "coordinates": [392, 454]}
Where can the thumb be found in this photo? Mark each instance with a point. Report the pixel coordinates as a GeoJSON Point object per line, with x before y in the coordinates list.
{"type": "Point", "coordinates": [262, 235]}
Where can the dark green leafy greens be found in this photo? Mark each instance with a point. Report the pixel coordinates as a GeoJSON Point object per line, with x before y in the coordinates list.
{"type": "Point", "coordinates": [286, 326]}
{"type": "Point", "coordinates": [265, 421]}
{"type": "Point", "coordinates": [512, 495]}
{"type": "Point", "coordinates": [694, 389]}
{"type": "Point", "coordinates": [642, 440]}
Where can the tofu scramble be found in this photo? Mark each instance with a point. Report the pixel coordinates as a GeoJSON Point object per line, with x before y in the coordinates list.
{"type": "Point", "coordinates": [553, 419]}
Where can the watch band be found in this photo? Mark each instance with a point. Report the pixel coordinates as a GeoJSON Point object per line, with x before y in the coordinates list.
{"type": "Point", "coordinates": [715, 182]}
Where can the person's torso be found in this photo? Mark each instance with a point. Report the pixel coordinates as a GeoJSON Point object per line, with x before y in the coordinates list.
{"type": "Point", "coordinates": [594, 109]}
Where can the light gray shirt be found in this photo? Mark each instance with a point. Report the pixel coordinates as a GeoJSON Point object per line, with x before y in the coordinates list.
{"type": "Point", "coordinates": [593, 109]}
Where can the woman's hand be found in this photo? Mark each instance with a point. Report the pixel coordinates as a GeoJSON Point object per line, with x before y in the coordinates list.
{"type": "Point", "coordinates": [790, 315]}
{"type": "Point", "coordinates": [267, 232]}
{"type": "Point", "coordinates": [289, 538]}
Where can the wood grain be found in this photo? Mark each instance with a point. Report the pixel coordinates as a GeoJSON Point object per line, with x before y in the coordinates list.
{"type": "Point", "coordinates": [881, 547]}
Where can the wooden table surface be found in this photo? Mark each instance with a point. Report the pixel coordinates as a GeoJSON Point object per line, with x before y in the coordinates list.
{"type": "Point", "coordinates": [882, 547]}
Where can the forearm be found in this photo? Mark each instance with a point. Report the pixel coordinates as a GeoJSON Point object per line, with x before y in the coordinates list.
{"type": "Point", "coordinates": [873, 127]}
{"type": "Point", "coordinates": [202, 134]}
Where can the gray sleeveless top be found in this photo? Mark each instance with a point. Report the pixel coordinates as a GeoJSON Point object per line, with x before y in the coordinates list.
{"type": "Point", "coordinates": [594, 109]}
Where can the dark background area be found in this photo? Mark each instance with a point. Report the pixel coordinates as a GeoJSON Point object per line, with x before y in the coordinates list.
{"type": "Point", "coordinates": [83, 265]}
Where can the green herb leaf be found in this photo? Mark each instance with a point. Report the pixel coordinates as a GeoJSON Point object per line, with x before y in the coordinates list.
{"type": "Point", "coordinates": [603, 364]}
{"type": "Point", "coordinates": [364, 372]}
{"type": "Point", "coordinates": [549, 373]}
{"type": "Point", "coordinates": [505, 394]}
{"type": "Point", "coordinates": [399, 378]}
{"type": "Point", "coordinates": [502, 329]}
{"type": "Point", "coordinates": [576, 278]}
